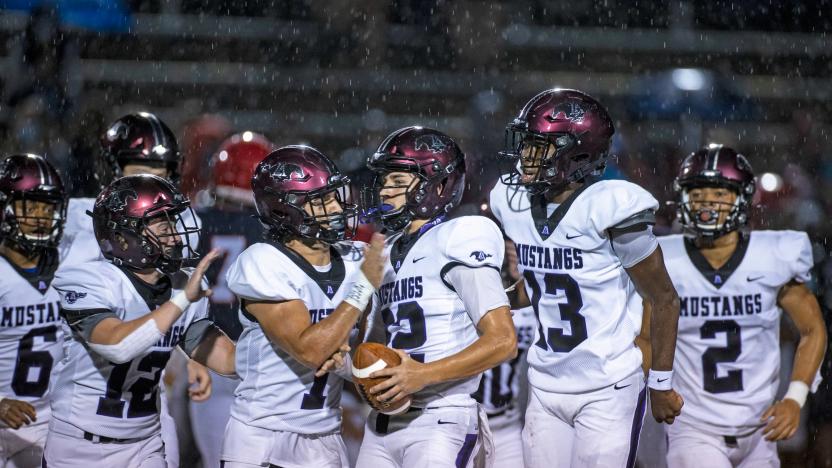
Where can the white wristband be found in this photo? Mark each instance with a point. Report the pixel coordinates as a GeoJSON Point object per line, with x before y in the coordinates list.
{"type": "Point", "coordinates": [181, 301]}
{"type": "Point", "coordinates": [798, 391]}
{"type": "Point", "coordinates": [660, 380]}
{"type": "Point", "coordinates": [361, 293]}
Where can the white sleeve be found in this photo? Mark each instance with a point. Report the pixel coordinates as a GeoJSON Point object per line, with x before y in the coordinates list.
{"type": "Point", "coordinates": [480, 289]}
{"type": "Point", "coordinates": [84, 287]}
{"type": "Point", "coordinates": [796, 251]}
{"type": "Point", "coordinates": [475, 241]}
{"type": "Point", "coordinates": [633, 246]}
{"type": "Point", "coordinates": [615, 201]}
{"type": "Point", "coordinates": [257, 275]}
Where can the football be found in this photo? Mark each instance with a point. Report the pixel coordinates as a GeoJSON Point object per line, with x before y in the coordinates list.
{"type": "Point", "coordinates": [369, 358]}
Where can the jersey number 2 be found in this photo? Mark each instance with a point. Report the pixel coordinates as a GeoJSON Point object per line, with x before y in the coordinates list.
{"type": "Point", "coordinates": [555, 338]}
{"type": "Point", "coordinates": [732, 381]}
{"type": "Point", "coordinates": [28, 360]}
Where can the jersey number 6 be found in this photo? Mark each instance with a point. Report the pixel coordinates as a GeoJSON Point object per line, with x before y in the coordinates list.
{"type": "Point", "coordinates": [558, 340]}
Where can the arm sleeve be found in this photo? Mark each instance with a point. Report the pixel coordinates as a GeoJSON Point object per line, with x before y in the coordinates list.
{"type": "Point", "coordinates": [480, 289]}
{"type": "Point", "coordinates": [474, 252]}
{"type": "Point", "coordinates": [84, 321]}
{"type": "Point", "coordinates": [633, 239]}
{"type": "Point", "coordinates": [195, 334]}
{"type": "Point", "coordinates": [257, 274]}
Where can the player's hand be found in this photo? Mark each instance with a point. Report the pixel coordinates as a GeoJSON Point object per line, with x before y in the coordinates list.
{"type": "Point", "coordinates": [199, 381]}
{"type": "Point", "coordinates": [405, 379]}
{"type": "Point", "coordinates": [666, 405]}
{"type": "Point", "coordinates": [193, 290]}
{"type": "Point", "coordinates": [783, 418]}
{"type": "Point", "coordinates": [16, 413]}
{"type": "Point", "coordinates": [373, 266]}
{"type": "Point", "coordinates": [335, 362]}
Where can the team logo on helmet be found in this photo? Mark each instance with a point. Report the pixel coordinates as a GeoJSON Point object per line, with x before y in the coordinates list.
{"type": "Point", "coordinates": [117, 200]}
{"type": "Point", "coordinates": [431, 143]}
{"type": "Point", "coordinates": [286, 171]}
{"type": "Point", "coordinates": [568, 110]}
{"type": "Point", "coordinates": [118, 130]}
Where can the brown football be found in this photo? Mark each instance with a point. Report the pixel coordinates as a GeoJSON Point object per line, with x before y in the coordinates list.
{"type": "Point", "coordinates": [369, 358]}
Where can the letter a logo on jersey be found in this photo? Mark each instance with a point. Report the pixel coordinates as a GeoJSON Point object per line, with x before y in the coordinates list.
{"type": "Point", "coordinates": [329, 290]}
{"type": "Point", "coordinates": [545, 230]}
{"type": "Point", "coordinates": [717, 279]}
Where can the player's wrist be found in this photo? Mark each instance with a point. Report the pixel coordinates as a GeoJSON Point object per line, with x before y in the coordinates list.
{"type": "Point", "coordinates": [361, 292]}
{"type": "Point", "coordinates": [180, 300]}
{"type": "Point", "coordinates": [798, 391]}
{"type": "Point", "coordinates": [660, 380]}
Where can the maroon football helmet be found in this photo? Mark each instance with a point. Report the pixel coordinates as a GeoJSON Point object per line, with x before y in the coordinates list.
{"type": "Point", "coordinates": [125, 220]}
{"type": "Point", "coordinates": [714, 166]}
{"type": "Point", "coordinates": [141, 138]}
{"type": "Point", "coordinates": [434, 158]}
{"type": "Point", "coordinates": [292, 178]}
{"type": "Point", "coordinates": [24, 179]}
{"type": "Point", "coordinates": [561, 136]}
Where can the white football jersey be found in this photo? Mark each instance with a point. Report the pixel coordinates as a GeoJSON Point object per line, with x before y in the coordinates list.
{"type": "Point", "coordinates": [728, 347]}
{"type": "Point", "coordinates": [421, 313]}
{"type": "Point", "coordinates": [93, 394]}
{"type": "Point", "coordinates": [78, 243]}
{"type": "Point", "coordinates": [277, 392]}
{"type": "Point", "coordinates": [31, 338]}
{"type": "Point", "coordinates": [500, 386]}
{"type": "Point", "coordinates": [588, 310]}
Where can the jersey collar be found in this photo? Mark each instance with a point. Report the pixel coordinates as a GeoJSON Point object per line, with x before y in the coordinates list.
{"type": "Point", "coordinates": [329, 281]}
{"type": "Point", "coordinates": [718, 276]}
{"type": "Point", "coordinates": [546, 226]}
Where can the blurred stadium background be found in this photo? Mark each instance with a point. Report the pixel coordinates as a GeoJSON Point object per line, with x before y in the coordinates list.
{"type": "Point", "coordinates": [341, 75]}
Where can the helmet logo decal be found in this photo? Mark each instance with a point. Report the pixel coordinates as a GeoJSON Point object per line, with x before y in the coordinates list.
{"type": "Point", "coordinates": [118, 130]}
{"type": "Point", "coordinates": [431, 143]}
{"type": "Point", "coordinates": [568, 110]}
{"type": "Point", "coordinates": [117, 200]}
{"type": "Point", "coordinates": [286, 171]}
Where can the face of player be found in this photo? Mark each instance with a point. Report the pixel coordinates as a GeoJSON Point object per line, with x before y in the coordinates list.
{"type": "Point", "coordinates": [395, 186]}
{"type": "Point", "coordinates": [718, 200]}
{"type": "Point", "coordinates": [326, 210]}
{"type": "Point", "coordinates": [35, 218]}
{"type": "Point", "coordinates": [163, 230]}
{"type": "Point", "coordinates": [532, 156]}
{"type": "Point", "coordinates": [139, 169]}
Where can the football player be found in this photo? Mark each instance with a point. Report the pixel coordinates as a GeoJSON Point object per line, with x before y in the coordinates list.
{"type": "Point", "coordinates": [33, 208]}
{"type": "Point", "coordinates": [441, 305]}
{"type": "Point", "coordinates": [733, 286]}
{"type": "Point", "coordinates": [588, 256]}
{"type": "Point", "coordinates": [125, 315]}
{"type": "Point", "coordinates": [139, 143]}
{"type": "Point", "coordinates": [228, 227]}
{"type": "Point", "coordinates": [501, 387]}
{"type": "Point", "coordinates": [302, 292]}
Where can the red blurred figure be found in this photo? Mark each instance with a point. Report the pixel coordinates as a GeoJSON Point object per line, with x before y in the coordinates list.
{"type": "Point", "coordinates": [233, 165]}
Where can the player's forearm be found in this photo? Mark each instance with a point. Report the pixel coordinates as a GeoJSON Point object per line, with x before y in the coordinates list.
{"type": "Point", "coordinates": [489, 351]}
{"type": "Point", "coordinates": [809, 354]}
{"type": "Point", "coordinates": [220, 355]}
{"type": "Point", "coordinates": [663, 327]}
{"type": "Point", "coordinates": [112, 332]}
{"type": "Point", "coordinates": [320, 341]}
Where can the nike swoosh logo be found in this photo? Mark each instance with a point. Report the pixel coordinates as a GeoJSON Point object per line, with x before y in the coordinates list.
{"type": "Point", "coordinates": [568, 237]}
{"type": "Point", "coordinates": [619, 388]}
{"type": "Point", "coordinates": [750, 279]}
{"type": "Point", "coordinates": [417, 259]}
{"type": "Point", "coordinates": [445, 422]}
{"type": "Point", "coordinates": [661, 380]}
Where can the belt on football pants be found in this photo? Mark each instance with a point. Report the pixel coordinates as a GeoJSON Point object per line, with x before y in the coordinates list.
{"type": "Point", "coordinates": [383, 420]}
{"type": "Point", "coordinates": [97, 439]}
